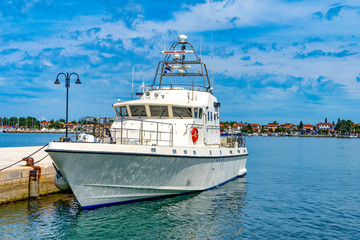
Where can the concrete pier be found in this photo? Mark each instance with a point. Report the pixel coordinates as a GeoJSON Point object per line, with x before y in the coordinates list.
{"type": "Point", "coordinates": [21, 182]}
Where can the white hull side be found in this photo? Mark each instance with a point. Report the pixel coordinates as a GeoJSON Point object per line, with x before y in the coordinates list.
{"type": "Point", "coordinates": [102, 178]}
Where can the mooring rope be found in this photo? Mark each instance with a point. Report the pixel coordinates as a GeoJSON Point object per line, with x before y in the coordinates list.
{"type": "Point", "coordinates": [41, 159]}
{"type": "Point", "coordinates": [26, 157]}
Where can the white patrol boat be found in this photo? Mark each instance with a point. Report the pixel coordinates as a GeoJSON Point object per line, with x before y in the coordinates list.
{"type": "Point", "coordinates": [165, 143]}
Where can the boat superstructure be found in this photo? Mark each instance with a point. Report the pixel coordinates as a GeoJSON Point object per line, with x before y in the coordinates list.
{"type": "Point", "coordinates": [167, 142]}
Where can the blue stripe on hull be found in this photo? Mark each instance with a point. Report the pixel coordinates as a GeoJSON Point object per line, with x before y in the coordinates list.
{"type": "Point", "coordinates": [152, 198]}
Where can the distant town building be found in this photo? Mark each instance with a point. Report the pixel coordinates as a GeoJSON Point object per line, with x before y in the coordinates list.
{"type": "Point", "coordinates": [45, 124]}
{"type": "Point", "coordinates": [71, 125]}
{"type": "Point", "coordinates": [255, 127]}
{"type": "Point", "coordinates": [308, 127]}
{"type": "Point", "coordinates": [271, 126]}
{"type": "Point", "coordinates": [238, 126]}
{"type": "Point", "coordinates": [324, 126]}
{"type": "Point", "coordinates": [289, 127]}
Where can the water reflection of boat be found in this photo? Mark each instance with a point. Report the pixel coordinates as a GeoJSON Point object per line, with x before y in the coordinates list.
{"type": "Point", "coordinates": [165, 143]}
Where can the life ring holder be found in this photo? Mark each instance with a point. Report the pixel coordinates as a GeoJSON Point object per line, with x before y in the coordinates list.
{"type": "Point", "coordinates": [195, 134]}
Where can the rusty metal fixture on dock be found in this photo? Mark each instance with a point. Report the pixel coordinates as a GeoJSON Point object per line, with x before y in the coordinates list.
{"type": "Point", "coordinates": [34, 177]}
{"type": "Point", "coordinates": [29, 161]}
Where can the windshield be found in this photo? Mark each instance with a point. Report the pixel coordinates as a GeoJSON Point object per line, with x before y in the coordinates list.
{"type": "Point", "coordinates": [121, 111]}
{"type": "Point", "coordinates": [183, 112]}
{"type": "Point", "coordinates": [159, 111]}
{"type": "Point", "coordinates": [138, 110]}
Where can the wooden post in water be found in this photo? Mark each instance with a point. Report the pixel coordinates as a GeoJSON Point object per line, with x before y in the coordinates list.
{"type": "Point", "coordinates": [34, 176]}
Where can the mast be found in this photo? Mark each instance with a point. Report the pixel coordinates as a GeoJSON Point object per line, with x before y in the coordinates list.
{"type": "Point", "coordinates": [175, 64]}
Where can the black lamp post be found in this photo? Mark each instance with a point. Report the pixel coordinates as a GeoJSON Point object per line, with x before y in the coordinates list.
{"type": "Point", "coordinates": [67, 85]}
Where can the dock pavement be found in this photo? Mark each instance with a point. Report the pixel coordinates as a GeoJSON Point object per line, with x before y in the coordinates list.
{"type": "Point", "coordinates": [21, 182]}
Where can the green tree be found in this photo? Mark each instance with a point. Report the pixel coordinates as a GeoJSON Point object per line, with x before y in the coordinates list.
{"type": "Point", "coordinates": [301, 125]}
{"type": "Point", "coordinates": [263, 129]}
{"type": "Point", "coordinates": [280, 129]}
{"type": "Point", "coordinates": [249, 128]}
{"type": "Point", "coordinates": [344, 126]}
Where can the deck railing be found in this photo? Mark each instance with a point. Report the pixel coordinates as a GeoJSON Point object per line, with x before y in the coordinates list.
{"type": "Point", "coordinates": [143, 132]}
{"type": "Point", "coordinates": [177, 87]}
{"type": "Point", "coordinates": [130, 131]}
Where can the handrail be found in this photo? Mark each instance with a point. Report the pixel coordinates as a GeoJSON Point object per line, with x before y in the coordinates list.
{"type": "Point", "coordinates": [96, 120]}
{"type": "Point", "coordinates": [102, 128]}
{"type": "Point", "coordinates": [142, 131]}
{"type": "Point", "coordinates": [176, 87]}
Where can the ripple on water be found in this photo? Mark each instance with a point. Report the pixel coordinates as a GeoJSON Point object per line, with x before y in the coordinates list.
{"type": "Point", "coordinates": [296, 188]}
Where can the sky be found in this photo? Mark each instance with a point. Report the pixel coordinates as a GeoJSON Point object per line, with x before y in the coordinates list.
{"type": "Point", "coordinates": [273, 60]}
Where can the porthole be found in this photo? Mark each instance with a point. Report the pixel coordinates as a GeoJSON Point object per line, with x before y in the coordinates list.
{"type": "Point", "coordinates": [185, 151]}
{"type": "Point", "coordinates": [174, 151]}
{"type": "Point", "coordinates": [210, 152]}
{"type": "Point", "coordinates": [230, 151]}
{"type": "Point", "coordinates": [153, 149]}
{"type": "Point", "coordinates": [194, 152]}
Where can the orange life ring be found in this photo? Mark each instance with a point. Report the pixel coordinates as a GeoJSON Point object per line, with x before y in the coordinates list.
{"type": "Point", "coordinates": [195, 134]}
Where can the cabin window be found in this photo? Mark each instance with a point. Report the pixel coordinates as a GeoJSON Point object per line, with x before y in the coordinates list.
{"type": "Point", "coordinates": [138, 110]}
{"type": "Point", "coordinates": [182, 112]}
{"type": "Point", "coordinates": [196, 112]}
{"type": "Point", "coordinates": [215, 117]}
{"type": "Point", "coordinates": [200, 113]}
{"type": "Point", "coordinates": [208, 114]}
{"type": "Point", "coordinates": [185, 151]}
{"type": "Point", "coordinates": [211, 116]}
{"type": "Point", "coordinates": [159, 111]}
{"type": "Point", "coordinates": [121, 111]}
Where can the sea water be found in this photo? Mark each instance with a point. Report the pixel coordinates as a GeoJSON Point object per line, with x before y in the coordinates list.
{"type": "Point", "coordinates": [296, 188]}
{"type": "Point", "coordinates": [27, 139]}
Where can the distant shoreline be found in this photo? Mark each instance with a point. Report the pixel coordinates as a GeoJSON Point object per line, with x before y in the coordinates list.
{"type": "Point", "coordinates": [73, 132]}
{"type": "Point", "coordinates": [38, 131]}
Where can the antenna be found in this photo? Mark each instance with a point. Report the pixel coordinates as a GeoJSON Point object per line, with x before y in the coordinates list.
{"type": "Point", "coordinates": [212, 56]}
{"type": "Point", "coordinates": [143, 85]}
{"type": "Point", "coordinates": [164, 49]}
{"type": "Point", "coordinates": [132, 84]}
{"type": "Point", "coordinates": [200, 46]}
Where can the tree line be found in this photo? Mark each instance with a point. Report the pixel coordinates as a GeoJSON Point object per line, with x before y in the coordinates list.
{"type": "Point", "coordinates": [31, 122]}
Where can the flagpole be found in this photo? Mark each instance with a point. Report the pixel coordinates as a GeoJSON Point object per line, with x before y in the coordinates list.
{"type": "Point", "coordinates": [132, 83]}
{"type": "Point", "coordinates": [200, 46]}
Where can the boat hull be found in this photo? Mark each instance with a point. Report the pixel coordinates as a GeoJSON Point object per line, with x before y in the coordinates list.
{"type": "Point", "coordinates": [103, 177]}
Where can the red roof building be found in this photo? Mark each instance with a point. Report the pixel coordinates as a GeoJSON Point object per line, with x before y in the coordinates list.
{"type": "Point", "coordinates": [271, 126]}
{"type": "Point", "coordinates": [256, 127]}
{"type": "Point", "coordinates": [238, 126]}
{"type": "Point", "coordinates": [308, 127]}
